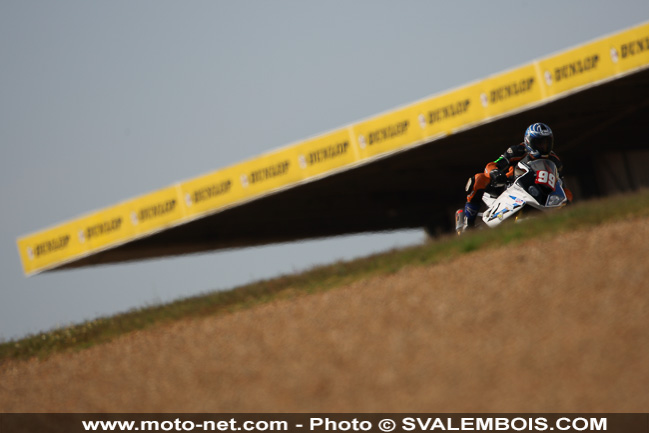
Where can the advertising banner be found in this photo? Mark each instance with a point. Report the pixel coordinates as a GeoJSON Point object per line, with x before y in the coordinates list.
{"type": "Point", "coordinates": [269, 172]}
{"type": "Point", "coordinates": [155, 211]}
{"type": "Point", "coordinates": [326, 153]}
{"type": "Point", "coordinates": [212, 191]}
{"type": "Point", "coordinates": [510, 91]}
{"type": "Point", "coordinates": [630, 49]}
{"type": "Point", "coordinates": [51, 247]}
{"type": "Point", "coordinates": [104, 228]}
{"type": "Point", "coordinates": [443, 114]}
{"type": "Point", "coordinates": [576, 68]}
{"type": "Point", "coordinates": [387, 132]}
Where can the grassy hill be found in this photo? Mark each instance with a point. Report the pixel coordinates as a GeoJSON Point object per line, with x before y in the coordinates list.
{"type": "Point", "coordinates": [78, 337]}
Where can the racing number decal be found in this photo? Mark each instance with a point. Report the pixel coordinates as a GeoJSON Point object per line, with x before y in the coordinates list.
{"type": "Point", "coordinates": [546, 178]}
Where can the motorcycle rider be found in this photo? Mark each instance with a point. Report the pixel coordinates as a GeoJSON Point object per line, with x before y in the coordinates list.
{"type": "Point", "coordinates": [538, 143]}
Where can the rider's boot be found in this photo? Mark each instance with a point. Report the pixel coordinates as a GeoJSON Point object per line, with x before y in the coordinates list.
{"type": "Point", "coordinates": [470, 214]}
{"type": "Point", "coordinates": [465, 218]}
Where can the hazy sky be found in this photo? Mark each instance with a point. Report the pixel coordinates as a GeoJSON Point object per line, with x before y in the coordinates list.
{"type": "Point", "coordinates": [104, 101]}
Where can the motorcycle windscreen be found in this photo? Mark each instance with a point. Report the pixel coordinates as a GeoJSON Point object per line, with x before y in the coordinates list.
{"type": "Point", "coordinates": [543, 183]}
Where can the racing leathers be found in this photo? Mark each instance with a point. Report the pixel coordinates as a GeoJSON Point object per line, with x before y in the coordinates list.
{"type": "Point", "coordinates": [496, 175]}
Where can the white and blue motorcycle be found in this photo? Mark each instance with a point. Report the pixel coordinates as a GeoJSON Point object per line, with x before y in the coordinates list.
{"type": "Point", "coordinates": [536, 185]}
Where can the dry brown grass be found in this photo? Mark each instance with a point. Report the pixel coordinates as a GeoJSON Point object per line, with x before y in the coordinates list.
{"type": "Point", "coordinates": [469, 335]}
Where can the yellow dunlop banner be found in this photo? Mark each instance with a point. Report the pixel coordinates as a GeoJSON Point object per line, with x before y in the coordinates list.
{"type": "Point", "coordinates": [49, 248]}
{"type": "Point", "coordinates": [269, 172]}
{"type": "Point", "coordinates": [630, 49]}
{"type": "Point", "coordinates": [576, 68]}
{"type": "Point", "coordinates": [445, 113]}
{"type": "Point", "coordinates": [326, 153]}
{"type": "Point", "coordinates": [387, 132]}
{"type": "Point", "coordinates": [509, 91]}
{"type": "Point", "coordinates": [155, 211]}
{"type": "Point", "coordinates": [212, 191]}
{"type": "Point", "coordinates": [105, 228]}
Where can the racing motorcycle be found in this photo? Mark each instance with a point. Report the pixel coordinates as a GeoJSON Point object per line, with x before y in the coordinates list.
{"type": "Point", "coordinates": [536, 185]}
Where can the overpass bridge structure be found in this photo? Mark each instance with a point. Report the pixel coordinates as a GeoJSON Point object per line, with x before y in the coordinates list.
{"type": "Point", "coordinates": [404, 168]}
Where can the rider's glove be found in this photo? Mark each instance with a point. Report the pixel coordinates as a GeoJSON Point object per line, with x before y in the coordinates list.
{"type": "Point", "coordinates": [498, 178]}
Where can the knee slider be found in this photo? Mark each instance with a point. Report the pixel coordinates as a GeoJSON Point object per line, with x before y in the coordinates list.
{"type": "Point", "coordinates": [470, 184]}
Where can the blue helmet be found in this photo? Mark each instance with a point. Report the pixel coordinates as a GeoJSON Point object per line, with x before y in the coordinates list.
{"type": "Point", "coordinates": [539, 140]}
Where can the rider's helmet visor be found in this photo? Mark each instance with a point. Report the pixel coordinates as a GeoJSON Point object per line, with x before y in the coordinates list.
{"type": "Point", "coordinates": [542, 144]}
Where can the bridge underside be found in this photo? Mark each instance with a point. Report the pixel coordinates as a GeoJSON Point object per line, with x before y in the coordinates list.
{"type": "Point", "coordinates": [600, 135]}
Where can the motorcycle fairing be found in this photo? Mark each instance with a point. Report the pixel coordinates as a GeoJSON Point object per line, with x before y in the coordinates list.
{"type": "Point", "coordinates": [504, 207]}
{"type": "Point", "coordinates": [526, 190]}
